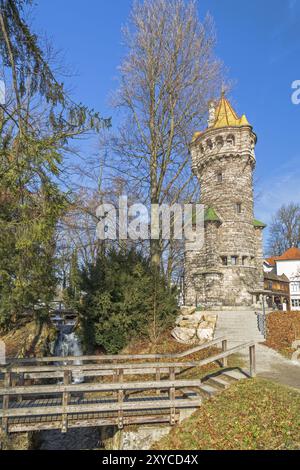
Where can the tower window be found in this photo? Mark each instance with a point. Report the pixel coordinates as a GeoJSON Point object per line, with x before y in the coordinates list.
{"type": "Point", "coordinates": [244, 260]}
{"type": "Point", "coordinates": [219, 142]}
{"type": "Point", "coordinates": [234, 260]}
{"type": "Point", "coordinates": [230, 140]}
{"type": "Point", "coordinates": [220, 177]}
{"type": "Point", "coordinates": [238, 208]}
{"type": "Point", "coordinates": [224, 260]}
{"type": "Point", "coordinates": [209, 144]}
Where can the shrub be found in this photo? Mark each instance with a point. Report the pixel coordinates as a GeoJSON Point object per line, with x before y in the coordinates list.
{"type": "Point", "coordinates": [123, 299]}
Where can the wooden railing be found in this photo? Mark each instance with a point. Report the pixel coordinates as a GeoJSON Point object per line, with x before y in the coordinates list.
{"type": "Point", "coordinates": [115, 357]}
{"type": "Point", "coordinates": [27, 405]}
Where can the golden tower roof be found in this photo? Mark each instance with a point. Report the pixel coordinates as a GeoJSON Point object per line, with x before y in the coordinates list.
{"type": "Point", "coordinates": [226, 116]}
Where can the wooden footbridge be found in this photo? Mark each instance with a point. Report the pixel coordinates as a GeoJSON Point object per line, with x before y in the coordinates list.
{"type": "Point", "coordinates": [46, 393]}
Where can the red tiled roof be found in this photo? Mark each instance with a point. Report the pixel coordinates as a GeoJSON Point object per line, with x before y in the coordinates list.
{"type": "Point", "coordinates": [291, 254]}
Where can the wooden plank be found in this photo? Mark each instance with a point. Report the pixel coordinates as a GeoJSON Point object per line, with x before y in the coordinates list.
{"type": "Point", "coordinates": [252, 359]}
{"type": "Point", "coordinates": [5, 403]}
{"type": "Point", "coordinates": [93, 373]}
{"type": "Point", "coordinates": [96, 422]}
{"type": "Point", "coordinates": [94, 408]}
{"type": "Point", "coordinates": [89, 387]}
{"type": "Point", "coordinates": [98, 367]}
{"type": "Point", "coordinates": [65, 401]}
{"type": "Point", "coordinates": [224, 349]}
{"type": "Point", "coordinates": [120, 401]}
{"type": "Point", "coordinates": [157, 379]}
{"type": "Point", "coordinates": [172, 396]}
{"type": "Point", "coordinates": [98, 387]}
{"type": "Point", "coordinates": [118, 357]}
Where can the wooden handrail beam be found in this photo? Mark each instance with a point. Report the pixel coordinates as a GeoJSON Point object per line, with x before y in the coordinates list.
{"type": "Point", "coordinates": [98, 387]}
{"type": "Point", "coordinates": [119, 357]}
{"type": "Point", "coordinates": [43, 389]}
{"type": "Point", "coordinates": [105, 407]}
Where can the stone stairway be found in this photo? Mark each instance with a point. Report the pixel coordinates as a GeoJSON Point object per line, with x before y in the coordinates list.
{"type": "Point", "coordinates": [238, 326]}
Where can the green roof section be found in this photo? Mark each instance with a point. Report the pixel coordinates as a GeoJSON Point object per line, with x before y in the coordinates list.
{"type": "Point", "coordinates": [258, 223]}
{"type": "Point", "coordinates": [210, 215]}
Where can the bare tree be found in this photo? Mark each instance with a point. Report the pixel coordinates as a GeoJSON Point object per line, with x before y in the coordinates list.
{"type": "Point", "coordinates": [167, 79]}
{"type": "Point", "coordinates": [284, 229]}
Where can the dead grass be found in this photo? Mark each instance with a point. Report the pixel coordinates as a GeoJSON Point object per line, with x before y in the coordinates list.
{"type": "Point", "coordinates": [168, 345]}
{"type": "Point", "coordinates": [282, 329]}
{"type": "Point", "coordinates": [30, 339]}
{"type": "Point", "coordinates": [251, 415]}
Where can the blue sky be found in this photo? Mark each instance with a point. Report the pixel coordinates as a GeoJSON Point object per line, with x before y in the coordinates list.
{"type": "Point", "coordinates": [259, 41]}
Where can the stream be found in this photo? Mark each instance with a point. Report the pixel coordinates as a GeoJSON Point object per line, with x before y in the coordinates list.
{"type": "Point", "coordinates": [68, 344]}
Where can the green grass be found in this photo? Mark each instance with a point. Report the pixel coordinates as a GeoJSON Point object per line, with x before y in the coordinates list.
{"type": "Point", "coordinates": [251, 415]}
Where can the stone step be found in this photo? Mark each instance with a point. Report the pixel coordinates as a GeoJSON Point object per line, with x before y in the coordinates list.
{"type": "Point", "coordinates": [208, 390]}
{"type": "Point", "coordinates": [234, 375]}
{"type": "Point", "coordinates": [218, 382]}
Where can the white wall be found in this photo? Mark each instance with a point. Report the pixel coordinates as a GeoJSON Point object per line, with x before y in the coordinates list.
{"type": "Point", "coordinates": [291, 268]}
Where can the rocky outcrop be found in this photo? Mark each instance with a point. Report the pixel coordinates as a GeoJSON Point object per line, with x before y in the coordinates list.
{"type": "Point", "coordinates": [194, 327]}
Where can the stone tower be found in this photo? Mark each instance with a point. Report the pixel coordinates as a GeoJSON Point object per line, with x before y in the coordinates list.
{"type": "Point", "coordinates": [228, 271]}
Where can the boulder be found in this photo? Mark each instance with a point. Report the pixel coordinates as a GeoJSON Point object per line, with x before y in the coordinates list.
{"type": "Point", "coordinates": [185, 310]}
{"type": "Point", "coordinates": [205, 334]}
{"type": "Point", "coordinates": [210, 318]}
{"type": "Point", "coordinates": [184, 335]}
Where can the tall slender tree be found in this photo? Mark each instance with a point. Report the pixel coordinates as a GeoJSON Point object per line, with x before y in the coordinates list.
{"type": "Point", "coordinates": [168, 76]}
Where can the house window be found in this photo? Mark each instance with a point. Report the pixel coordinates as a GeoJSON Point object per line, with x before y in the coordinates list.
{"type": "Point", "coordinates": [295, 286]}
{"type": "Point", "coordinates": [234, 260]}
{"type": "Point", "coordinates": [295, 302]}
{"type": "Point", "coordinates": [244, 260]}
{"type": "Point", "coordinates": [224, 260]}
{"type": "Point", "coordinates": [270, 285]}
{"type": "Point", "coordinates": [238, 208]}
{"type": "Point", "coordinates": [219, 177]}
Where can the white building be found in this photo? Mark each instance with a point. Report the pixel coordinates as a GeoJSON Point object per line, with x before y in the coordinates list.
{"type": "Point", "coordinates": [288, 264]}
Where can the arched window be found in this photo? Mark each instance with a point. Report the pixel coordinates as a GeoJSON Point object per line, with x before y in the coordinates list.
{"type": "Point", "coordinates": [209, 144]}
{"type": "Point", "coordinates": [219, 142]}
{"type": "Point", "coordinates": [230, 140]}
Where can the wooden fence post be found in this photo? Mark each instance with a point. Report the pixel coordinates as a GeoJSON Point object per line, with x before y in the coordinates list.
{"type": "Point", "coordinates": [5, 403]}
{"type": "Point", "coordinates": [120, 401]}
{"type": "Point", "coordinates": [65, 401]}
{"type": "Point", "coordinates": [21, 383]}
{"type": "Point", "coordinates": [172, 396]}
{"type": "Point", "coordinates": [224, 349]}
{"type": "Point", "coordinates": [252, 360]}
{"type": "Point", "coordinates": [157, 378]}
